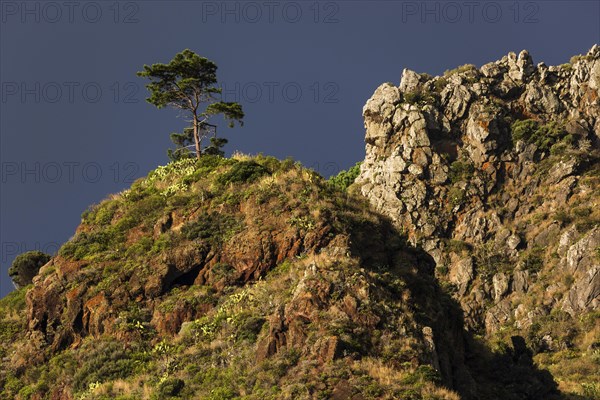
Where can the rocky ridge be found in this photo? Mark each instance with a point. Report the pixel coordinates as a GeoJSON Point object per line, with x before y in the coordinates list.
{"type": "Point", "coordinates": [245, 277]}
{"type": "Point", "coordinates": [473, 270]}
{"type": "Point", "coordinates": [494, 172]}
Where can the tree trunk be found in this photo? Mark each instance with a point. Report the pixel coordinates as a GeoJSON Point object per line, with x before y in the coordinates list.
{"type": "Point", "coordinates": [196, 137]}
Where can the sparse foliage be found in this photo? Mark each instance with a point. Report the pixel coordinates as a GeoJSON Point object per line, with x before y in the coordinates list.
{"type": "Point", "coordinates": [187, 83]}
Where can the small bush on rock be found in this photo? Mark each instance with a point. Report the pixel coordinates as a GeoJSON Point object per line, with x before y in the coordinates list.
{"type": "Point", "coordinates": [26, 266]}
{"type": "Point", "coordinates": [345, 178]}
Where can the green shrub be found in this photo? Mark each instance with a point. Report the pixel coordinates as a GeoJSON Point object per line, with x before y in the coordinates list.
{"type": "Point", "coordinates": [490, 261]}
{"type": "Point", "coordinates": [547, 135]}
{"type": "Point", "coordinates": [522, 130]}
{"type": "Point", "coordinates": [287, 164]}
{"type": "Point", "coordinates": [243, 172]}
{"type": "Point", "coordinates": [423, 373]}
{"type": "Point", "coordinates": [124, 224]}
{"type": "Point", "coordinates": [442, 269]}
{"type": "Point", "coordinates": [101, 214]}
{"type": "Point", "coordinates": [568, 280]}
{"type": "Point", "coordinates": [580, 57]}
{"type": "Point", "coordinates": [585, 225]}
{"type": "Point", "coordinates": [248, 326]}
{"type": "Point", "coordinates": [221, 393]}
{"type": "Point", "coordinates": [590, 390]}
{"type": "Point", "coordinates": [440, 84]}
{"type": "Point", "coordinates": [25, 266]}
{"type": "Point", "coordinates": [214, 227]}
{"type": "Point", "coordinates": [103, 362]}
{"type": "Point", "coordinates": [456, 196]}
{"type": "Point", "coordinates": [135, 319]}
{"type": "Point", "coordinates": [584, 219]}
{"type": "Point", "coordinates": [413, 97]}
{"type": "Point", "coordinates": [222, 270]}
{"type": "Point", "coordinates": [582, 212]}
{"type": "Point", "coordinates": [274, 165]}
{"type": "Point", "coordinates": [88, 245]}
{"type": "Point", "coordinates": [219, 382]}
{"type": "Point", "coordinates": [370, 388]}
{"type": "Point", "coordinates": [543, 136]}
{"type": "Point", "coordinates": [27, 392]}
{"type": "Point", "coordinates": [163, 242]}
{"type": "Point", "coordinates": [563, 217]}
{"type": "Point", "coordinates": [345, 178]}
{"type": "Point", "coordinates": [145, 211]}
{"type": "Point", "coordinates": [457, 246]}
{"type": "Point", "coordinates": [533, 259]}
{"type": "Point", "coordinates": [15, 300]}
{"type": "Point", "coordinates": [204, 166]}
{"type": "Point", "coordinates": [141, 247]}
{"type": "Point", "coordinates": [171, 387]}
{"type": "Point", "coordinates": [420, 96]}
{"type": "Point", "coordinates": [569, 140]}
{"type": "Point", "coordinates": [9, 330]}
{"type": "Point", "coordinates": [305, 222]}
{"type": "Point", "coordinates": [461, 170]}
{"type": "Point", "coordinates": [269, 162]}
{"type": "Point", "coordinates": [559, 149]}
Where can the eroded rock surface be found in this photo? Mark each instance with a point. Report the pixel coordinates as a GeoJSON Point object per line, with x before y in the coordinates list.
{"type": "Point", "coordinates": [494, 172]}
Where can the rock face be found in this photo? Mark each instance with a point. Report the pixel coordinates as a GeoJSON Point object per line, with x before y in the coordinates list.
{"type": "Point", "coordinates": [65, 319]}
{"type": "Point", "coordinates": [494, 172]}
{"type": "Point", "coordinates": [281, 281]}
{"type": "Point", "coordinates": [255, 278]}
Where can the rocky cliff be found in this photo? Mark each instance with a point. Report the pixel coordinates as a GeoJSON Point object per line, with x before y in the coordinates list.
{"type": "Point", "coordinates": [233, 278]}
{"type": "Point", "coordinates": [494, 172]}
{"type": "Point", "coordinates": [467, 268]}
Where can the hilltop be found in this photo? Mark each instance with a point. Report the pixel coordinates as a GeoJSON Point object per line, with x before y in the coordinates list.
{"type": "Point", "coordinates": [463, 262]}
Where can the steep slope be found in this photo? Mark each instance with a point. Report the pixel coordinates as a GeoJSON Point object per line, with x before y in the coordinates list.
{"type": "Point", "coordinates": [495, 172]}
{"type": "Point", "coordinates": [244, 278]}
{"type": "Point", "coordinates": [467, 268]}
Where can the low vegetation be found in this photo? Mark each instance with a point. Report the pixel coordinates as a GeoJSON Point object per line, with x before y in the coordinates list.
{"type": "Point", "coordinates": [546, 137]}
{"type": "Point", "coordinates": [204, 205]}
{"type": "Point", "coordinates": [345, 178]}
{"type": "Point", "coordinates": [25, 266]}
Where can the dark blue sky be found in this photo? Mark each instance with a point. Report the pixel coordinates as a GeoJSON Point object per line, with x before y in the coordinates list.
{"type": "Point", "coordinates": [75, 127]}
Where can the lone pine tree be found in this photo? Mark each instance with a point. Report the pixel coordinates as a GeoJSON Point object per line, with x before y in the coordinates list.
{"type": "Point", "coordinates": [188, 83]}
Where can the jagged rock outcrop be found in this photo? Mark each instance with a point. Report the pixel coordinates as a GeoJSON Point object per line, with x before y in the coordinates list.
{"type": "Point", "coordinates": [255, 278]}
{"type": "Point", "coordinates": [66, 315]}
{"type": "Point", "coordinates": [494, 172]}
